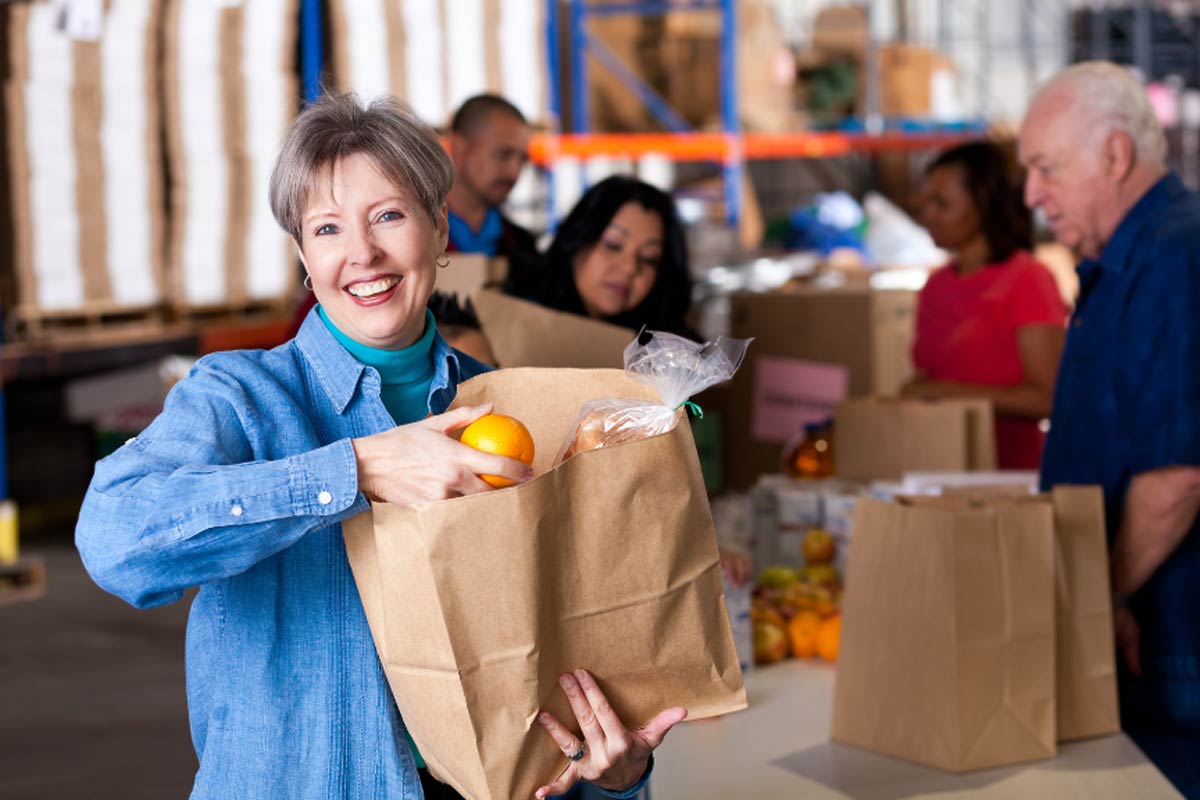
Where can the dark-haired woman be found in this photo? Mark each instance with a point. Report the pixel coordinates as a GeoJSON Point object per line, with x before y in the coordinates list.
{"type": "Point", "coordinates": [990, 323]}
{"type": "Point", "coordinates": [619, 256]}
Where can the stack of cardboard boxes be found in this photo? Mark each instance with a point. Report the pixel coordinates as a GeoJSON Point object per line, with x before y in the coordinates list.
{"type": "Point", "coordinates": [85, 174]}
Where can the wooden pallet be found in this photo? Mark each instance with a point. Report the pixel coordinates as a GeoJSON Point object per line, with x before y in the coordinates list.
{"type": "Point", "coordinates": [38, 326]}
{"type": "Point", "coordinates": [237, 312]}
{"type": "Point", "coordinates": [23, 579]}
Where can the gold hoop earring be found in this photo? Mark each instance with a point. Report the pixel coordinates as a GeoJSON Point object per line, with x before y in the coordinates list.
{"type": "Point", "coordinates": [307, 282]}
{"type": "Point", "coordinates": [442, 261]}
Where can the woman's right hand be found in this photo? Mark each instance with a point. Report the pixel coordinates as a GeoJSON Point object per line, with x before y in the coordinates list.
{"type": "Point", "coordinates": [420, 462]}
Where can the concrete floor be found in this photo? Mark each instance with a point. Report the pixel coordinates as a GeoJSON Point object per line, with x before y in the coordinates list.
{"type": "Point", "coordinates": [92, 700]}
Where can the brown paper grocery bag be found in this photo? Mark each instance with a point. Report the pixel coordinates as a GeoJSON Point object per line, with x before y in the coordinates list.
{"type": "Point", "coordinates": [882, 438]}
{"type": "Point", "coordinates": [947, 645]}
{"type": "Point", "coordinates": [1087, 670]}
{"type": "Point", "coordinates": [524, 334]}
{"type": "Point", "coordinates": [1085, 661]}
{"type": "Point", "coordinates": [606, 562]}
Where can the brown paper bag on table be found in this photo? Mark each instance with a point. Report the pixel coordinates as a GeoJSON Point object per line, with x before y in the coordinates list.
{"type": "Point", "coordinates": [1085, 664]}
{"type": "Point", "coordinates": [606, 562]}
{"type": "Point", "coordinates": [1087, 670]}
{"type": "Point", "coordinates": [947, 644]}
{"type": "Point", "coordinates": [882, 438]}
{"type": "Point", "coordinates": [524, 334]}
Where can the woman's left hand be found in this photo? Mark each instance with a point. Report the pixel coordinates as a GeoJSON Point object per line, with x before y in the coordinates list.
{"type": "Point", "coordinates": [613, 757]}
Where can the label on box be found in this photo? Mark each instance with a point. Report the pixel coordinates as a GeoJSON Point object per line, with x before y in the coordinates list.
{"type": "Point", "coordinates": [789, 393]}
{"type": "Point", "coordinates": [799, 507]}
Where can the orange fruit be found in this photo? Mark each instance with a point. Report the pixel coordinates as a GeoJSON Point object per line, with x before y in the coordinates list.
{"type": "Point", "coordinates": [502, 435]}
{"type": "Point", "coordinates": [829, 637]}
{"type": "Point", "coordinates": [802, 631]}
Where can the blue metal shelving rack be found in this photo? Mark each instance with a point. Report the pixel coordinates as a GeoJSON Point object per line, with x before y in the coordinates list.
{"type": "Point", "coordinates": [583, 45]}
{"type": "Point", "coordinates": [312, 49]}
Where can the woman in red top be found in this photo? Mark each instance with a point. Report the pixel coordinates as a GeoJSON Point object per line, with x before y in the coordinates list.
{"type": "Point", "coordinates": [991, 323]}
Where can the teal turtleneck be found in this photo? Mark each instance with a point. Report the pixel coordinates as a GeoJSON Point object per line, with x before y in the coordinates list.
{"type": "Point", "coordinates": [405, 375]}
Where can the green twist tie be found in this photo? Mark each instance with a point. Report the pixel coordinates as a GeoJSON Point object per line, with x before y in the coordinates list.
{"type": "Point", "coordinates": [697, 412]}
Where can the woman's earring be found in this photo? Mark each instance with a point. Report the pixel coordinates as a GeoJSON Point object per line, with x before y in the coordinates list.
{"type": "Point", "coordinates": [442, 261]}
{"type": "Point", "coordinates": [307, 281]}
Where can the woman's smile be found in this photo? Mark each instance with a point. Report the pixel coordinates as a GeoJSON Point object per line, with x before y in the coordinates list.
{"type": "Point", "coordinates": [374, 290]}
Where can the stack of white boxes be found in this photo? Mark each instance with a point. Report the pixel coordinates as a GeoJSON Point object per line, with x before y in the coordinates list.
{"type": "Point", "coordinates": [785, 509]}
{"type": "Point", "coordinates": [231, 92]}
{"type": "Point", "coordinates": [83, 126]}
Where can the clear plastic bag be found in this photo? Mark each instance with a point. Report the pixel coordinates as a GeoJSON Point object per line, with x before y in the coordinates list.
{"type": "Point", "coordinates": [676, 368]}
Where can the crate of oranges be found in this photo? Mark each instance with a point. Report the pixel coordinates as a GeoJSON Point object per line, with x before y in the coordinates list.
{"type": "Point", "coordinates": [797, 612]}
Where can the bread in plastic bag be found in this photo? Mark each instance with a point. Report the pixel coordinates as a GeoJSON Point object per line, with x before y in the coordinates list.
{"type": "Point", "coordinates": [676, 368]}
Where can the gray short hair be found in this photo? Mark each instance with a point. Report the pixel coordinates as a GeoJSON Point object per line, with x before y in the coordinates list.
{"type": "Point", "coordinates": [406, 150]}
{"type": "Point", "coordinates": [1110, 95]}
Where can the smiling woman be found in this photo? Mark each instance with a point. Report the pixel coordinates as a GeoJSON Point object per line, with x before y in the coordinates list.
{"type": "Point", "coordinates": [240, 486]}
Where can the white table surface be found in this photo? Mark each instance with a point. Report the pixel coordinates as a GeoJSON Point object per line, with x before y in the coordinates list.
{"type": "Point", "coordinates": [779, 749]}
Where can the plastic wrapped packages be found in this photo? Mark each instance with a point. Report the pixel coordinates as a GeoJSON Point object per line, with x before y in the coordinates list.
{"type": "Point", "coordinates": [676, 368]}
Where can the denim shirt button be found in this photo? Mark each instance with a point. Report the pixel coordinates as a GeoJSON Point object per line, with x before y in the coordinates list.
{"type": "Point", "coordinates": [236, 510]}
{"type": "Point", "coordinates": [324, 498]}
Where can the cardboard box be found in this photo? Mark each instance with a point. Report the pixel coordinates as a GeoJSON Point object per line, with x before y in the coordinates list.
{"type": "Point", "coordinates": [802, 340]}
{"type": "Point", "coordinates": [783, 511]}
{"type": "Point", "coordinates": [841, 31]}
{"type": "Point", "coordinates": [906, 74]}
{"type": "Point", "coordinates": [766, 70]}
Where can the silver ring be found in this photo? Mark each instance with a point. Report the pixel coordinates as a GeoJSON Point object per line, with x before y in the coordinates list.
{"type": "Point", "coordinates": [578, 754]}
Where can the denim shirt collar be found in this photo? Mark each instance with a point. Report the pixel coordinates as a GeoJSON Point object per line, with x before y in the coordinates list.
{"type": "Point", "coordinates": [1120, 248]}
{"type": "Point", "coordinates": [340, 373]}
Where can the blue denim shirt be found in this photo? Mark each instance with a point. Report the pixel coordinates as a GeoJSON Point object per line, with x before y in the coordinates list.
{"type": "Point", "coordinates": [239, 487]}
{"type": "Point", "coordinates": [1128, 401]}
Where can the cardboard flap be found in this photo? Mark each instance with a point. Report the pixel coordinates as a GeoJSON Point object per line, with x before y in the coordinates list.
{"type": "Point", "coordinates": [524, 334]}
{"type": "Point", "coordinates": [469, 273]}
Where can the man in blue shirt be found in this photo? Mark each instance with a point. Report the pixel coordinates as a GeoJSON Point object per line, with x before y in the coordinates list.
{"type": "Point", "coordinates": [489, 145]}
{"type": "Point", "coordinates": [1127, 402]}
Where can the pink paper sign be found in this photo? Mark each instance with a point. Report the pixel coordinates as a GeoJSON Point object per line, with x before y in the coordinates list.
{"type": "Point", "coordinates": [790, 393]}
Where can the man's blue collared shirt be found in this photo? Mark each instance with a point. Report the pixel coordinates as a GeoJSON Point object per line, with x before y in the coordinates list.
{"type": "Point", "coordinates": [1128, 401]}
{"type": "Point", "coordinates": [486, 240]}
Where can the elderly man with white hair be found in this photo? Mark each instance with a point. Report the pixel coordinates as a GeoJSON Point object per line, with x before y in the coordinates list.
{"type": "Point", "coordinates": [1127, 401]}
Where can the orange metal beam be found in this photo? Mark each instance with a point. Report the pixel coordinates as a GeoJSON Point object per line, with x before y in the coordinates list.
{"type": "Point", "coordinates": [544, 148]}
